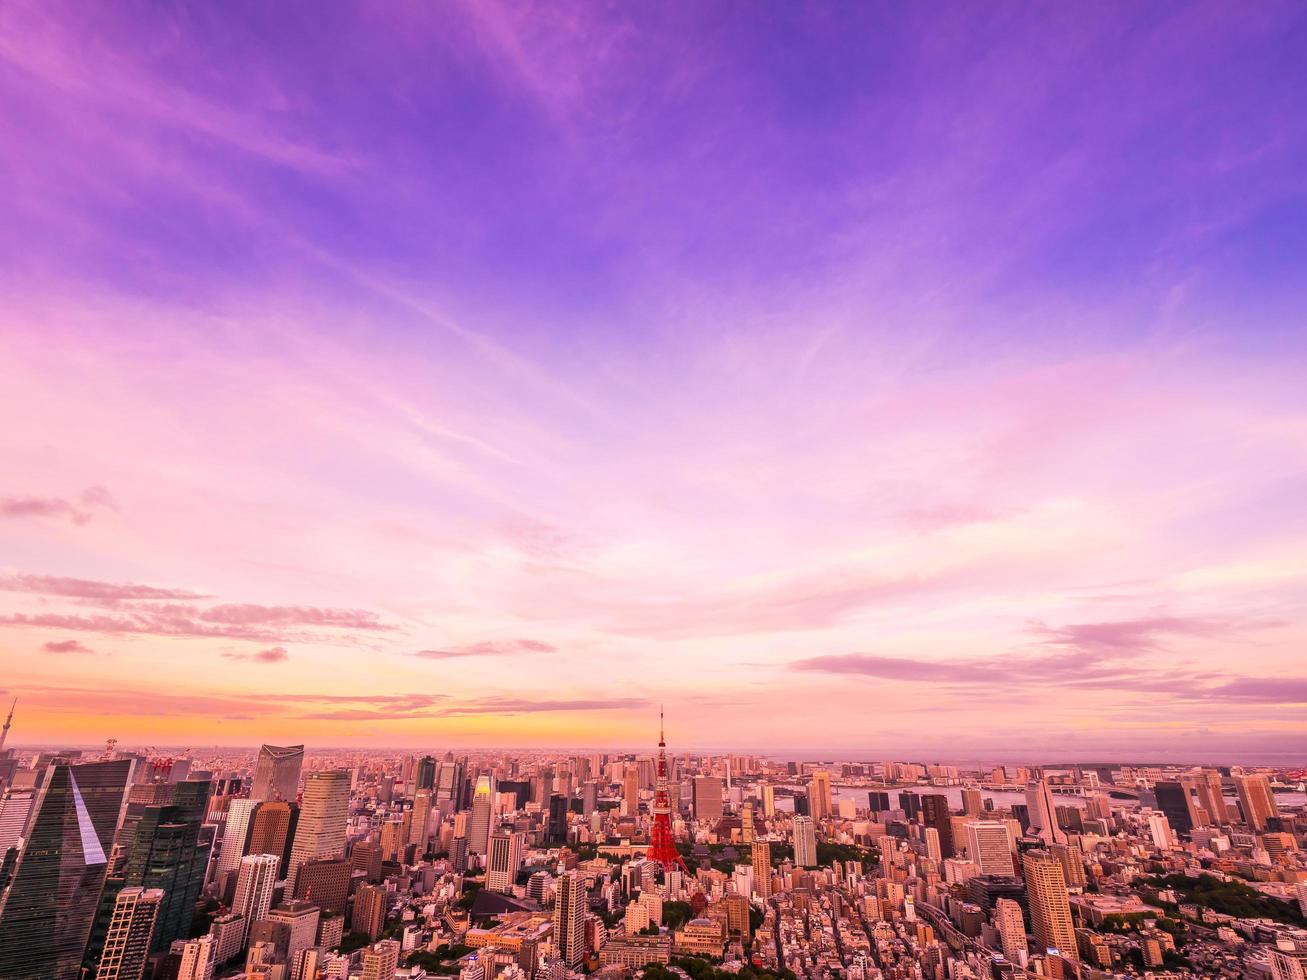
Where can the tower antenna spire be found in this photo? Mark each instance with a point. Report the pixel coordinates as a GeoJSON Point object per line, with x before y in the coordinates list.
{"type": "Point", "coordinates": [4, 732]}
{"type": "Point", "coordinates": [662, 846]}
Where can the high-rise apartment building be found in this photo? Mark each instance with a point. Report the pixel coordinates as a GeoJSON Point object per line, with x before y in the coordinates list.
{"type": "Point", "coordinates": [805, 842]}
{"type": "Point", "coordinates": [768, 800]}
{"type": "Point", "coordinates": [990, 846]}
{"type": "Point", "coordinates": [973, 805]}
{"type": "Point", "coordinates": [131, 928]}
{"type": "Point", "coordinates": [761, 853]}
{"type": "Point", "coordinates": [235, 835]}
{"type": "Point", "coordinates": [420, 826]}
{"type": "Point", "coordinates": [370, 905]}
{"type": "Point", "coordinates": [49, 905]}
{"type": "Point", "coordinates": [277, 772]}
{"type": "Point", "coordinates": [503, 860]}
{"type": "Point", "coordinates": [255, 878]}
{"type": "Point", "coordinates": [569, 919]}
{"type": "Point", "coordinates": [1011, 930]}
{"type": "Point", "coordinates": [324, 814]}
{"type": "Point", "coordinates": [1211, 795]}
{"type": "Point", "coordinates": [1050, 905]}
{"type": "Point", "coordinates": [746, 823]}
{"type": "Point", "coordinates": [1255, 799]}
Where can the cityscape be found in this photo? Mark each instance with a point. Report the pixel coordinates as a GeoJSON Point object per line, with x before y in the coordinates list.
{"type": "Point", "coordinates": [653, 490]}
{"type": "Point", "coordinates": [287, 863]}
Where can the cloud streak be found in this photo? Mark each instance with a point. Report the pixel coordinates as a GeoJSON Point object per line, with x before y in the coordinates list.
{"type": "Point", "coordinates": [489, 648]}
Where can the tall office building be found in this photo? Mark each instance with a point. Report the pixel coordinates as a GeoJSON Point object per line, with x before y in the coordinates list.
{"type": "Point", "coordinates": [503, 860]}
{"type": "Point", "coordinates": [762, 868]}
{"type": "Point", "coordinates": [819, 795]}
{"type": "Point", "coordinates": [989, 845]}
{"type": "Point", "coordinates": [326, 882]}
{"type": "Point", "coordinates": [277, 772]}
{"type": "Point", "coordinates": [569, 919]}
{"type": "Point", "coordinates": [1043, 813]}
{"type": "Point", "coordinates": [1211, 795]}
{"type": "Point", "coordinates": [131, 928]}
{"type": "Point", "coordinates": [707, 798]}
{"type": "Point", "coordinates": [273, 829]}
{"type": "Point", "coordinates": [324, 814]}
{"type": "Point", "coordinates": [1050, 905]}
{"type": "Point", "coordinates": [49, 905]}
{"type": "Point", "coordinates": [449, 784]}
{"type": "Point", "coordinates": [15, 808]}
{"type": "Point", "coordinates": [768, 800]}
{"type": "Point", "coordinates": [301, 921]}
{"type": "Point", "coordinates": [631, 791]}
{"type": "Point", "coordinates": [419, 830]}
{"type": "Point", "coordinates": [936, 814]}
{"type": "Point", "coordinates": [1255, 800]}
{"type": "Point", "coordinates": [1072, 860]}
{"type": "Point", "coordinates": [235, 835]}
{"type": "Point", "coordinates": [1011, 930]}
{"type": "Point", "coordinates": [805, 842]}
{"type": "Point", "coordinates": [163, 850]}
{"type": "Point", "coordinates": [1179, 801]}
{"type": "Point", "coordinates": [478, 830]}
{"type": "Point", "coordinates": [255, 880]}
{"type": "Point", "coordinates": [556, 830]}
{"type": "Point", "coordinates": [426, 774]}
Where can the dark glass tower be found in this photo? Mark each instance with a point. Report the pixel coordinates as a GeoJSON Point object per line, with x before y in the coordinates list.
{"type": "Point", "coordinates": [50, 903]}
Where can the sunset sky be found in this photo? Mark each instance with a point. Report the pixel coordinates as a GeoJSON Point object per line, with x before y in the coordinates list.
{"type": "Point", "coordinates": [885, 379]}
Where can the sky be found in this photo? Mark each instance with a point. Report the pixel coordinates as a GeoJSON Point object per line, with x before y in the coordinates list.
{"type": "Point", "coordinates": [882, 379]}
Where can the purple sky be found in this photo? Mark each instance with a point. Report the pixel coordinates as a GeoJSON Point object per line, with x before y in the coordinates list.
{"type": "Point", "coordinates": [853, 376]}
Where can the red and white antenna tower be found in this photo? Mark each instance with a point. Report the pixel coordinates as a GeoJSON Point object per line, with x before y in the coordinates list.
{"type": "Point", "coordinates": [661, 846]}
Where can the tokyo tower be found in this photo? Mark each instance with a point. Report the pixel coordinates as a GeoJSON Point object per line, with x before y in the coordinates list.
{"type": "Point", "coordinates": [661, 846]}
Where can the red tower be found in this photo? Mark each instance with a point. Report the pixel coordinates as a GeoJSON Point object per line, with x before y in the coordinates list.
{"type": "Point", "coordinates": [661, 846]}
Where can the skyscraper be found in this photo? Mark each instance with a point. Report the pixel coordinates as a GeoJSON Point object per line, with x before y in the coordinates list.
{"type": "Point", "coordinates": [556, 831]}
{"type": "Point", "coordinates": [707, 798]}
{"type": "Point", "coordinates": [131, 927]}
{"type": "Point", "coordinates": [369, 915]}
{"type": "Point", "coordinates": [235, 834]}
{"type": "Point", "coordinates": [478, 830]}
{"type": "Point", "coordinates": [1255, 799]}
{"type": "Point", "coordinates": [1011, 930]}
{"type": "Point", "coordinates": [989, 845]}
{"type": "Point", "coordinates": [1043, 813]}
{"type": "Point", "coordinates": [1050, 906]}
{"type": "Point", "coordinates": [935, 813]}
{"type": "Point", "coordinates": [503, 860]}
{"type": "Point", "coordinates": [254, 884]}
{"type": "Point", "coordinates": [569, 919]}
{"type": "Point", "coordinates": [819, 795]}
{"type": "Point", "coordinates": [48, 907]}
{"type": "Point", "coordinates": [1211, 795]}
{"type": "Point", "coordinates": [449, 784]}
{"type": "Point", "coordinates": [1179, 802]}
{"type": "Point", "coordinates": [805, 842]}
{"type": "Point", "coordinates": [277, 772]}
{"type": "Point", "coordinates": [762, 868]}
{"type": "Point", "coordinates": [631, 791]}
{"type": "Point", "coordinates": [419, 827]}
{"type": "Point", "coordinates": [273, 829]}
{"type": "Point", "coordinates": [324, 814]}
{"type": "Point", "coordinates": [768, 800]}
{"type": "Point", "coordinates": [426, 774]}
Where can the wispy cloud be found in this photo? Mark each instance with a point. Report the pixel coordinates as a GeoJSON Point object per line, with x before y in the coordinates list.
{"type": "Point", "coordinates": [489, 648]}
{"type": "Point", "coordinates": [272, 655]}
{"type": "Point", "coordinates": [80, 588]}
{"type": "Point", "coordinates": [65, 646]}
{"type": "Point", "coordinates": [78, 511]}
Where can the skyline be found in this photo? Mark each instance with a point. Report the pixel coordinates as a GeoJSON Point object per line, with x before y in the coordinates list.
{"type": "Point", "coordinates": [849, 385]}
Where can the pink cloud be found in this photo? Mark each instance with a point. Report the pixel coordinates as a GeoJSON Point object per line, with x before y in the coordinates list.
{"type": "Point", "coordinates": [65, 646]}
